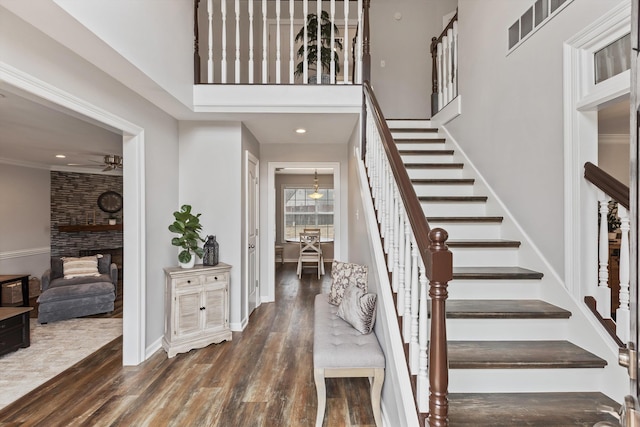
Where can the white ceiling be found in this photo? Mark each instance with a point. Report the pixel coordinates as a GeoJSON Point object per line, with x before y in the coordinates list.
{"type": "Point", "coordinates": [32, 132]}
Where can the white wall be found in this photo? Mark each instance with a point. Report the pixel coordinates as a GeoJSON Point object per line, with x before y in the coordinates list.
{"type": "Point", "coordinates": [24, 220]}
{"type": "Point", "coordinates": [403, 84]}
{"type": "Point", "coordinates": [151, 34]}
{"type": "Point", "coordinates": [26, 49]}
{"type": "Point", "coordinates": [613, 156]}
{"type": "Point", "coordinates": [211, 182]}
{"type": "Point", "coordinates": [512, 119]}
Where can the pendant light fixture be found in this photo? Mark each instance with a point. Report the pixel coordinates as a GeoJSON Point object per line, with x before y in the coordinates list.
{"type": "Point", "coordinates": [315, 195]}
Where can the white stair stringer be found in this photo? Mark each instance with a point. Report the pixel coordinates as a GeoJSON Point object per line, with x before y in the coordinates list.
{"type": "Point", "coordinates": [580, 329]}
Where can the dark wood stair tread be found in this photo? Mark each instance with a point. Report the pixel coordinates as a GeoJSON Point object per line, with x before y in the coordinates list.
{"type": "Point", "coordinates": [400, 140]}
{"type": "Point", "coordinates": [494, 273]}
{"type": "Point", "coordinates": [414, 130]}
{"type": "Point", "coordinates": [520, 355]}
{"type": "Point", "coordinates": [483, 243]}
{"type": "Point", "coordinates": [443, 181]}
{"type": "Point", "coordinates": [434, 199]}
{"type": "Point", "coordinates": [426, 152]}
{"type": "Point", "coordinates": [434, 165]}
{"type": "Point", "coordinates": [504, 309]}
{"type": "Point", "coordinates": [465, 219]}
{"type": "Point", "coordinates": [557, 409]}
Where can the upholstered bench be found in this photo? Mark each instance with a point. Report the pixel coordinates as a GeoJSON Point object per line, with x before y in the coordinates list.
{"type": "Point", "coordinates": [340, 351]}
{"type": "Point", "coordinates": [68, 302]}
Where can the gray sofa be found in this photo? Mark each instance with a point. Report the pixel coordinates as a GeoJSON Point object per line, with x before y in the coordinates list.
{"type": "Point", "coordinates": [80, 296]}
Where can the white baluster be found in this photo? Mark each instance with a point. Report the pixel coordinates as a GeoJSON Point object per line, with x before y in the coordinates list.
{"type": "Point", "coordinates": [395, 235]}
{"type": "Point", "coordinates": [346, 43]}
{"type": "Point", "coordinates": [623, 314]}
{"type": "Point", "coordinates": [319, 43]}
{"type": "Point", "coordinates": [332, 44]}
{"type": "Point", "coordinates": [401, 261]}
{"type": "Point", "coordinates": [440, 71]}
{"type": "Point", "coordinates": [414, 345]}
{"type": "Point", "coordinates": [223, 63]}
{"type": "Point", "coordinates": [412, 284]}
{"type": "Point", "coordinates": [251, 64]}
{"type": "Point", "coordinates": [265, 40]}
{"type": "Point", "coordinates": [449, 86]}
{"type": "Point", "coordinates": [237, 65]}
{"type": "Point", "coordinates": [455, 60]}
{"type": "Point", "coordinates": [278, 71]}
{"type": "Point", "coordinates": [422, 382]}
{"type": "Point", "coordinates": [603, 293]}
{"type": "Point", "coordinates": [210, 41]}
{"type": "Point", "coordinates": [305, 43]}
{"type": "Point", "coordinates": [291, 43]}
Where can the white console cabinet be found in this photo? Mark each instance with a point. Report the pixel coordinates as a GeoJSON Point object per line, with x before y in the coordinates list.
{"type": "Point", "coordinates": [196, 307]}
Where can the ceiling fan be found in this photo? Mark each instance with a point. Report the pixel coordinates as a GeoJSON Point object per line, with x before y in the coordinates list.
{"type": "Point", "coordinates": [109, 162]}
{"type": "Point", "coordinates": [112, 162]}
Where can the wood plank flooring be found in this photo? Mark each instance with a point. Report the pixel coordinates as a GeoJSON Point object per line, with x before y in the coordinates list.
{"type": "Point", "coordinates": [263, 377]}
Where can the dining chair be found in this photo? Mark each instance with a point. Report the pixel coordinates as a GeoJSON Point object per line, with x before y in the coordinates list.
{"type": "Point", "coordinates": [310, 252]}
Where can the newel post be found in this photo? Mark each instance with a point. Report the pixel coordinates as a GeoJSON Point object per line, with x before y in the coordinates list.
{"type": "Point", "coordinates": [441, 274]}
{"type": "Point", "coordinates": [196, 53]}
{"type": "Point", "coordinates": [366, 43]}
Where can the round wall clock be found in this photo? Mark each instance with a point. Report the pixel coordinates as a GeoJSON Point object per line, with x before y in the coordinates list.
{"type": "Point", "coordinates": [110, 201]}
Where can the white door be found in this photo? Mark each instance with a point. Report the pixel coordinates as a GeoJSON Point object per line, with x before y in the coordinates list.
{"type": "Point", "coordinates": [252, 217]}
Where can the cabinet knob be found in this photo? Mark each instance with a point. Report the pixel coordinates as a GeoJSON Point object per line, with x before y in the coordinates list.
{"type": "Point", "coordinates": [202, 308]}
{"type": "Point", "coordinates": [215, 277]}
{"type": "Point", "coordinates": [188, 281]}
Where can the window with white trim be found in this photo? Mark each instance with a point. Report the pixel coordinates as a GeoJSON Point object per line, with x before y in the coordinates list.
{"type": "Point", "coordinates": [301, 211]}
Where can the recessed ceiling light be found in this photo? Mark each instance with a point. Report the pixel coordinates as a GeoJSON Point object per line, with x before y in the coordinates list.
{"type": "Point", "coordinates": [61, 156]}
{"type": "Point", "coordinates": [301, 130]}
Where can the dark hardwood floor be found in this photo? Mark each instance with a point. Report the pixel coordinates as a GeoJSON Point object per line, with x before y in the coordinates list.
{"type": "Point", "coordinates": [263, 377]}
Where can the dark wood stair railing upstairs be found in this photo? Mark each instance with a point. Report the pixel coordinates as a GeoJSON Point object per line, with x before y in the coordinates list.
{"type": "Point", "coordinates": [438, 262]}
{"type": "Point", "coordinates": [620, 193]}
{"type": "Point", "coordinates": [434, 65]}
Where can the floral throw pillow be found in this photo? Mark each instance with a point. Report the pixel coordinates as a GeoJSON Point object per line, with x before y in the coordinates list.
{"type": "Point", "coordinates": [341, 272]}
{"type": "Point", "coordinates": [358, 309]}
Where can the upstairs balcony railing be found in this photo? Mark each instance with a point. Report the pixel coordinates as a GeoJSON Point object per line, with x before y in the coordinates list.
{"type": "Point", "coordinates": [444, 73]}
{"type": "Point", "coordinates": [610, 300]}
{"type": "Point", "coordinates": [276, 41]}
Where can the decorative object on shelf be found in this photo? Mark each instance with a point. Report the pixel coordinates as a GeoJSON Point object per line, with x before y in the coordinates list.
{"type": "Point", "coordinates": [211, 250]}
{"type": "Point", "coordinates": [110, 202]}
{"type": "Point", "coordinates": [315, 194]}
{"type": "Point", "coordinates": [613, 222]}
{"type": "Point", "coordinates": [312, 47]}
{"type": "Point", "coordinates": [188, 227]}
{"type": "Point", "coordinates": [113, 221]}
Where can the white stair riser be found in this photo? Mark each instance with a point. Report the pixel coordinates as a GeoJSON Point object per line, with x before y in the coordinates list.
{"type": "Point", "coordinates": [523, 380]}
{"type": "Point", "coordinates": [443, 190]}
{"type": "Point", "coordinates": [453, 209]}
{"type": "Point", "coordinates": [506, 329]}
{"type": "Point", "coordinates": [484, 257]}
{"type": "Point", "coordinates": [435, 173]}
{"type": "Point", "coordinates": [423, 146]}
{"type": "Point", "coordinates": [470, 231]}
{"type": "Point", "coordinates": [426, 158]}
{"type": "Point", "coordinates": [409, 124]}
{"type": "Point", "coordinates": [493, 289]}
{"type": "Point", "coordinates": [415, 135]}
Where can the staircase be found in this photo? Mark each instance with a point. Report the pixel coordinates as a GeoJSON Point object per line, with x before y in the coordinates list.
{"type": "Point", "coordinates": [512, 361]}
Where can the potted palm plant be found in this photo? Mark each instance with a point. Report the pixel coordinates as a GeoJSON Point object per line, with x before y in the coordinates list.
{"type": "Point", "coordinates": [312, 47]}
{"type": "Point", "coordinates": [188, 226]}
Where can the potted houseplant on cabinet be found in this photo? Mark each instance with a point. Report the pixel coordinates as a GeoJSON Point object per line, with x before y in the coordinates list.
{"type": "Point", "coordinates": [312, 47]}
{"type": "Point", "coordinates": [188, 226]}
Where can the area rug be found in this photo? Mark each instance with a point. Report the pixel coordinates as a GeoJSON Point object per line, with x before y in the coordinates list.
{"type": "Point", "coordinates": [54, 347]}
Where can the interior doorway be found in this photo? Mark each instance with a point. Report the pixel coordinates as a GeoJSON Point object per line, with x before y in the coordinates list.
{"type": "Point", "coordinates": [134, 280]}
{"type": "Point", "coordinates": [277, 233]}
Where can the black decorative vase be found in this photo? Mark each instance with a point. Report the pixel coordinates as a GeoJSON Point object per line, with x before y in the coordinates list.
{"type": "Point", "coordinates": [211, 249]}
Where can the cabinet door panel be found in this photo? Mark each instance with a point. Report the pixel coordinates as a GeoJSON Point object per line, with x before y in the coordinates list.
{"type": "Point", "coordinates": [187, 313]}
{"type": "Point", "coordinates": [216, 307]}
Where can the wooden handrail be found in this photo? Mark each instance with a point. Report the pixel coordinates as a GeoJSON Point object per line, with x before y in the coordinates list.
{"type": "Point", "coordinates": [438, 262]}
{"type": "Point", "coordinates": [605, 182]}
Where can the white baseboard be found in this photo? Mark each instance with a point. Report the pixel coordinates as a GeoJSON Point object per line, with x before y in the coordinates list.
{"type": "Point", "coordinates": [25, 252]}
{"type": "Point", "coordinates": [151, 349]}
